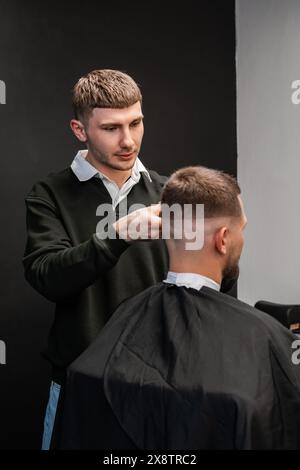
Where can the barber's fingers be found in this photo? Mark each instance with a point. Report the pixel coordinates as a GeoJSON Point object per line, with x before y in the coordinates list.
{"type": "Point", "coordinates": [156, 209]}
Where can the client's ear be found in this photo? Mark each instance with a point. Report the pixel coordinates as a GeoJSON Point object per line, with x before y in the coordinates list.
{"type": "Point", "coordinates": [221, 240]}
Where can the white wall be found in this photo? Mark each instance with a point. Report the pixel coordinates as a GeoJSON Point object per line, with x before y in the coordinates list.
{"type": "Point", "coordinates": [268, 130]}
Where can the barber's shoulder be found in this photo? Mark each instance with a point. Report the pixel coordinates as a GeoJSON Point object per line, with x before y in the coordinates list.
{"type": "Point", "coordinates": [55, 181]}
{"type": "Point", "coordinates": [161, 179]}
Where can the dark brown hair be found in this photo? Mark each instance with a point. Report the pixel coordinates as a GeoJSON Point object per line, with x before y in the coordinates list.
{"type": "Point", "coordinates": [215, 189]}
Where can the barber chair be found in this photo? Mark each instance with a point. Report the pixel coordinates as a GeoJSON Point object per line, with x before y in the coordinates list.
{"type": "Point", "coordinates": [287, 314]}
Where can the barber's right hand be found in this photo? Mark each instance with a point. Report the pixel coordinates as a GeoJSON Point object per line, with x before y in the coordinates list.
{"type": "Point", "coordinates": [142, 224]}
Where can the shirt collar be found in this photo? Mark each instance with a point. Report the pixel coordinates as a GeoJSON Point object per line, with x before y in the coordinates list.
{"type": "Point", "coordinates": [85, 171]}
{"type": "Point", "coordinates": [191, 280]}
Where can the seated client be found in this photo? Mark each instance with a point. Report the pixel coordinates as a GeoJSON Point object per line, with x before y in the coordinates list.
{"type": "Point", "coordinates": [182, 365]}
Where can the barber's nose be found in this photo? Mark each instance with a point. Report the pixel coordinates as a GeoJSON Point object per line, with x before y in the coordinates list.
{"type": "Point", "coordinates": [127, 140]}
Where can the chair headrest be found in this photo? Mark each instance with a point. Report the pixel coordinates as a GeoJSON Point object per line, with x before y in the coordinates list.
{"type": "Point", "coordinates": [287, 314]}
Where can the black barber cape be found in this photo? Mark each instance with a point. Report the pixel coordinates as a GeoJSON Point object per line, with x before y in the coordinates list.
{"type": "Point", "coordinates": [177, 368]}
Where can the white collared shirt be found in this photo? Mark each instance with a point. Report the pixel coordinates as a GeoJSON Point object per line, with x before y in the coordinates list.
{"type": "Point", "coordinates": [191, 280]}
{"type": "Point", "coordinates": [85, 171]}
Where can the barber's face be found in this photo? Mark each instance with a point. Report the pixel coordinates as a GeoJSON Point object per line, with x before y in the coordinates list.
{"type": "Point", "coordinates": [114, 136]}
{"type": "Point", "coordinates": [231, 268]}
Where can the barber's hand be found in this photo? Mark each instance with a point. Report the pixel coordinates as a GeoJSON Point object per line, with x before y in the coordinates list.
{"type": "Point", "coordinates": [142, 224]}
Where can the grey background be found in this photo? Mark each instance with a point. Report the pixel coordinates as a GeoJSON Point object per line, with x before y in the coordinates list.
{"type": "Point", "coordinates": [182, 55]}
{"type": "Point", "coordinates": [268, 134]}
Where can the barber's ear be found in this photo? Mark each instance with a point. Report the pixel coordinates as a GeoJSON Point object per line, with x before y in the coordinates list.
{"type": "Point", "coordinates": [78, 130]}
{"type": "Point", "coordinates": [221, 240]}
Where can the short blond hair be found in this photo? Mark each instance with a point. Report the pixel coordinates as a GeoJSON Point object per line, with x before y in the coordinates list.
{"type": "Point", "coordinates": [104, 88]}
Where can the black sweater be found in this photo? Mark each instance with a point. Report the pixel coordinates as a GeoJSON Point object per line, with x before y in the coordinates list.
{"type": "Point", "coordinates": [67, 263]}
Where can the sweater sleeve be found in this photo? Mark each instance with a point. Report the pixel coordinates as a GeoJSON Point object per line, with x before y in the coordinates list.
{"type": "Point", "coordinates": [52, 265]}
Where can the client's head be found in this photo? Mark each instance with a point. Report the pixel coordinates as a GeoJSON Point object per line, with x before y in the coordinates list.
{"type": "Point", "coordinates": [224, 221]}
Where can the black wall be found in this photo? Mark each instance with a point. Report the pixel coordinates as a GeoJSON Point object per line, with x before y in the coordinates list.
{"type": "Point", "coordinates": [184, 59]}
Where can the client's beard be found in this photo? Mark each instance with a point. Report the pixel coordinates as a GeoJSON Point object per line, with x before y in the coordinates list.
{"type": "Point", "coordinates": [230, 276]}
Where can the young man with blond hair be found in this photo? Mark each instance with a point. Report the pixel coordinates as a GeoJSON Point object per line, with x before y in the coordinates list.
{"type": "Point", "coordinates": [67, 259]}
